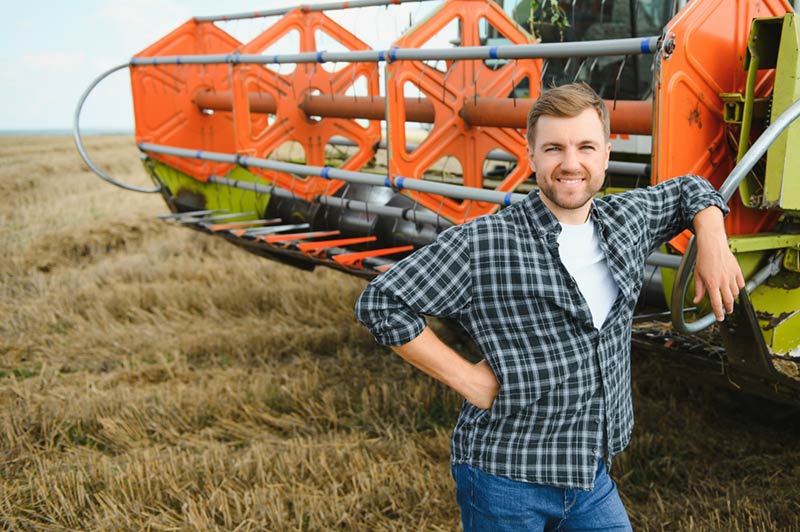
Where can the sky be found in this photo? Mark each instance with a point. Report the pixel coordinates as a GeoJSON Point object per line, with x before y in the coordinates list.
{"type": "Point", "coordinates": [54, 50]}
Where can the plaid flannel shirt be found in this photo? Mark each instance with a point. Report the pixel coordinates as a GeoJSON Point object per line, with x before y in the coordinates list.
{"type": "Point", "coordinates": [564, 398]}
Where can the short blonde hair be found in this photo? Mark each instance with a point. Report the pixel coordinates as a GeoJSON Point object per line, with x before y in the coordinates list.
{"type": "Point", "coordinates": [567, 101]}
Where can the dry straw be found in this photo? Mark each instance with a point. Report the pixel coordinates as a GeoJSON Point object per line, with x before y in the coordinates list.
{"type": "Point", "coordinates": [158, 379]}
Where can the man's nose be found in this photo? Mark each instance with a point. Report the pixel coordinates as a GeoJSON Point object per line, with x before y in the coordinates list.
{"type": "Point", "coordinates": [570, 163]}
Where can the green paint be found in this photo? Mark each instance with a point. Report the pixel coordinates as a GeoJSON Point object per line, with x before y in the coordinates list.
{"type": "Point", "coordinates": [780, 184]}
{"type": "Point", "coordinates": [215, 196]}
{"type": "Point", "coordinates": [773, 44]}
{"type": "Point", "coordinates": [762, 242]}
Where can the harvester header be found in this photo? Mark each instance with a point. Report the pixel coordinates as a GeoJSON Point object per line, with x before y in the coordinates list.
{"type": "Point", "coordinates": [307, 145]}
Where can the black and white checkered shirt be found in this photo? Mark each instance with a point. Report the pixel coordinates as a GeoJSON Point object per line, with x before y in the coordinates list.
{"type": "Point", "coordinates": [564, 385]}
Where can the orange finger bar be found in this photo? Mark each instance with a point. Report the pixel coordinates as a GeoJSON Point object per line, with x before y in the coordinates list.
{"type": "Point", "coordinates": [356, 259]}
{"type": "Point", "coordinates": [298, 236]}
{"type": "Point", "coordinates": [312, 247]}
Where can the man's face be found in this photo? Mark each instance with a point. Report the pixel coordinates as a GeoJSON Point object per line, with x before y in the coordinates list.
{"type": "Point", "coordinates": [570, 157]}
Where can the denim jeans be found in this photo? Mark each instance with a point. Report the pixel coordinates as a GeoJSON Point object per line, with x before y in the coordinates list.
{"type": "Point", "coordinates": [490, 503]}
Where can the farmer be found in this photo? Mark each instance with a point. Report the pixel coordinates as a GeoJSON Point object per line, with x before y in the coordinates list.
{"type": "Point", "coordinates": [547, 289]}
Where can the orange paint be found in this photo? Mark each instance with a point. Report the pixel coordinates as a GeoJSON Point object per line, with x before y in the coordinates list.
{"type": "Point", "coordinates": [689, 134]}
{"type": "Point", "coordinates": [451, 135]}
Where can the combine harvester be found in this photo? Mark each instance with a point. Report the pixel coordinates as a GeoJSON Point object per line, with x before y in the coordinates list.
{"type": "Point", "coordinates": [388, 147]}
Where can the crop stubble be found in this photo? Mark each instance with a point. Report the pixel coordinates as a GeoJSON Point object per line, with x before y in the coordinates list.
{"type": "Point", "coordinates": [153, 378]}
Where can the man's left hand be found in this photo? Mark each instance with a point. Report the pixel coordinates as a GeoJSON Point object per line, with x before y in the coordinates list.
{"type": "Point", "coordinates": [716, 271]}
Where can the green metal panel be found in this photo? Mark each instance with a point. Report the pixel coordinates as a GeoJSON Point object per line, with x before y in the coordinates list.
{"type": "Point", "coordinates": [777, 302]}
{"type": "Point", "coordinates": [772, 44]}
{"type": "Point", "coordinates": [782, 184]}
{"type": "Point", "coordinates": [763, 241]}
{"type": "Point", "coordinates": [215, 196]}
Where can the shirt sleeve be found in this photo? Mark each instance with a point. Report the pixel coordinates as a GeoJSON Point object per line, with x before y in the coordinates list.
{"type": "Point", "coordinates": [671, 205]}
{"type": "Point", "coordinates": [435, 280]}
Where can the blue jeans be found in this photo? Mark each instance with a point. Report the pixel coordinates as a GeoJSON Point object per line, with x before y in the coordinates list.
{"type": "Point", "coordinates": [490, 503]}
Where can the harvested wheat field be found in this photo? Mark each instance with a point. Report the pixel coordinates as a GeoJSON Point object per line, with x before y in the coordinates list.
{"type": "Point", "coordinates": [155, 378]}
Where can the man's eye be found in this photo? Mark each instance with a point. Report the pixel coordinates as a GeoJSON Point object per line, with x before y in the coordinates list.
{"type": "Point", "coordinates": [551, 148]}
{"type": "Point", "coordinates": [587, 148]}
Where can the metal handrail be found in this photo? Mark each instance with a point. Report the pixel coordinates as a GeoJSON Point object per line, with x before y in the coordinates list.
{"type": "Point", "coordinates": [598, 48]}
{"type": "Point", "coordinates": [76, 135]}
{"type": "Point", "coordinates": [328, 172]}
{"type": "Point", "coordinates": [742, 168]}
{"type": "Point", "coordinates": [331, 6]}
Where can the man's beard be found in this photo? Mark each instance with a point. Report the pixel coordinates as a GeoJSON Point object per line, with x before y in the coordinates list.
{"type": "Point", "coordinates": [568, 201]}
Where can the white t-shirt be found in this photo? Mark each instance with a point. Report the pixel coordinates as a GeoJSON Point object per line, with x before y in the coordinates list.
{"type": "Point", "coordinates": [579, 248]}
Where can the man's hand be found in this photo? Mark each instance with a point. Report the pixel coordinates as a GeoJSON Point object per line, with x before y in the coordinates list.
{"type": "Point", "coordinates": [716, 271]}
{"type": "Point", "coordinates": [483, 387]}
{"type": "Point", "coordinates": [475, 382]}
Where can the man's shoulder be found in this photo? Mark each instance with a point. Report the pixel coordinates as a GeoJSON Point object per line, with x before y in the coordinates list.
{"type": "Point", "coordinates": [508, 219]}
{"type": "Point", "coordinates": [503, 225]}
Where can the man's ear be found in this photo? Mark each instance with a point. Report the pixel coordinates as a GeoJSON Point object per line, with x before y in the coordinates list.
{"type": "Point", "coordinates": [533, 165]}
{"type": "Point", "coordinates": [608, 154]}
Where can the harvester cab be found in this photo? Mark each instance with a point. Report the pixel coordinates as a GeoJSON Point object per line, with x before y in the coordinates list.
{"type": "Point", "coordinates": [353, 156]}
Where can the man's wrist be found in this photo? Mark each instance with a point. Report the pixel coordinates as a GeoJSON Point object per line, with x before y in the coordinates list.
{"type": "Point", "coordinates": [708, 220]}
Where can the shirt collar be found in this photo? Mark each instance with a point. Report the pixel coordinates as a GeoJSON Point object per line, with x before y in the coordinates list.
{"type": "Point", "coordinates": [544, 222]}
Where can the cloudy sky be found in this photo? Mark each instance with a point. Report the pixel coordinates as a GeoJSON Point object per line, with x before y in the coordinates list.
{"type": "Point", "coordinates": [53, 50]}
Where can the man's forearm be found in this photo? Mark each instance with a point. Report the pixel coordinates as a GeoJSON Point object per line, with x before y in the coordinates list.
{"type": "Point", "coordinates": [427, 352]}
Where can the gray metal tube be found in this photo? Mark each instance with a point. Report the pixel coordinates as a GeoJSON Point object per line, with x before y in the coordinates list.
{"type": "Point", "coordinates": [76, 135]}
{"type": "Point", "coordinates": [455, 191]}
{"type": "Point", "coordinates": [289, 168]}
{"type": "Point", "coordinates": [742, 168]}
{"type": "Point", "coordinates": [362, 178]}
{"type": "Point", "coordinates": [664, 260]}
{"type": "Point", "coordinates": [384, 210]}
{"type": "Point", "coordinates": [355, 205]}
{"type": "Point", "coordinates": [631, 46]}
{"type": "Point", "coordinates": [330, 6]}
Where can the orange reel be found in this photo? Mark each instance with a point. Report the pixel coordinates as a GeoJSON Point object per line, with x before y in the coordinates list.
{"type": "Point", "coordinates": [162, 98]}
{"type": "Point", "coordinates": [257, 136]}
{"type": "Point", "coordinates": [448, 91]}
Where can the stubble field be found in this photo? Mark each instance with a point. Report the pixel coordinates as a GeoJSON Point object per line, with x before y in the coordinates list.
{"type": "Point", "coordinates": [154, 378]}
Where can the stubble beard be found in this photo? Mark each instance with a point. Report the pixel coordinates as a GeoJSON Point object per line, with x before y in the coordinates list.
{"type": "Point", "coordinates": [563, 201]}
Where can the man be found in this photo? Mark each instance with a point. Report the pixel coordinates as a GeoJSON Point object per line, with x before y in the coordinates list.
{"type": "Point", "coordinates": [547, 289]}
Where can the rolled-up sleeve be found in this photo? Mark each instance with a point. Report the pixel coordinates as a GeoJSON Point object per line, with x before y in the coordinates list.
{"type": "Point", "coordinates": [434, 280]}
{"type": "Point", "coordinates": [671, 205]}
